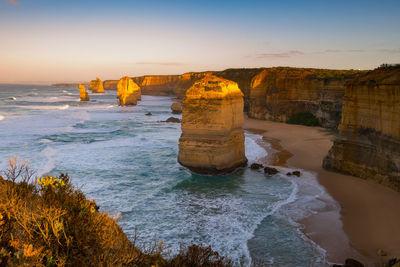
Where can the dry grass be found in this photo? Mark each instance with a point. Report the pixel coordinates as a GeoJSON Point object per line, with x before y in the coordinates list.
{"type": "Point", "coordinates": [47, 222]}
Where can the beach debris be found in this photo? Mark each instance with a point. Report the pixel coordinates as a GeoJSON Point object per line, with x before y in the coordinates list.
{"type": "Point", "coordinates": [172, 119]}
{"type": "Point", "coordinates": [148, 114]}
{"type": "Point", "coordinates": [270, 171]}
{"type": "Point", "coordinates": [381, 253]}
{"type": "Point", "coordinates": [256, 166]}
{"type": "Point", "coordinates": [176, 108]}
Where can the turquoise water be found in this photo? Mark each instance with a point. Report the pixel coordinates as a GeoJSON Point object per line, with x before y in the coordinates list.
{"type": "Point", "coordinates": [127, 162]}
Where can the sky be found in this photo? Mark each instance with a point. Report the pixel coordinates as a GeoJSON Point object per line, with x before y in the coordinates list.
{"type": "Point", "coordinates": [78, 40]}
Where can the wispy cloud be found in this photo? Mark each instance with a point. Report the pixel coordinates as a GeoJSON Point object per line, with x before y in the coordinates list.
{"type": "Point", "coordinates": [13, 2]}
{"type": "Point", "coordinates": [160, 63]}
{"type": "Point", "coordinates": [344, 51]}
{"type": "Point", "coordinates": [290, 53]}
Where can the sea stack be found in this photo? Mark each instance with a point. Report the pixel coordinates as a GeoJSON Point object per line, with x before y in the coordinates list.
{"type": "Point", "coordinates": [96, 86]}
{"type": "Point", "coordinates": [212, 140]}
{"type": "Point", "coordinates": [128, 91]}
{"type": "Point", "coordinates": [82, 93]}
{"type": "Point", "coordinates": [368, 145]}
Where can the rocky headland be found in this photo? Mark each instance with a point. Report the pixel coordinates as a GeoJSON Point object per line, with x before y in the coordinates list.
{"type": "Point", "coordinates": [212, 139]}
{"type": "Point", "coordinates": [110, 84]}
{"type": "Point", "coordinates": [84, 96]}
{"type": "Point", "coordinates": [96, 86]}
{"type": "Point", "coordinates": [369, 142]}
{"type": "Point", "coordinates": [128, 92]}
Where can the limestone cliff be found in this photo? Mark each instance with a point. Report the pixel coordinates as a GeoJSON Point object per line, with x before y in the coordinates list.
{"type": "Point", "coordinates": [212, 139]}
{"type": "Point", "coordinates": [82, 93]}
{"type": "Point", "coordinates": [96, 86]}
{"type": "Point", "coordinates": [110, 84]}
{"type": "Point", "coordinates": [128, 92]}
{"type": "Point", "coordinates": [369, 142]}
{"type": "Point", "coordinates": [270, 93]}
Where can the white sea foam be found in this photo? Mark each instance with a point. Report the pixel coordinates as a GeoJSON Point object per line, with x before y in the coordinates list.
{"type": "Point", "coordinates": [50, 164]}
{"type": "Point", "coordinates": [2, 117]}
{"type": "Point", "coordinates": [254, 151]}
{"type": "Point", "coordinates": [64, 107]}
{"type": "Point", "coordinates": [13, 98]}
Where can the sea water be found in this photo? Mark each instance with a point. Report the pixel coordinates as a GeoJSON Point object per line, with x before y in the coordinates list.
{"type": "Point", "coordinates": [127, 162]}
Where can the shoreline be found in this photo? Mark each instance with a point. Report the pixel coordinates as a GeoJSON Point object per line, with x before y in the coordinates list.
{"type": "Point", "coordinates": [365, 215]}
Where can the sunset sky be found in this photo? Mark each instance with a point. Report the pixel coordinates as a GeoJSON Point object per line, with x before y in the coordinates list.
{"type": "Point", "coordinates": [77, 40]}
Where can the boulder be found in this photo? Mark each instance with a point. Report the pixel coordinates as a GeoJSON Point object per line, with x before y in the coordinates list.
{"type": "Point", "coordinates": [96, 86]}
{"type": "Point", "coordinates": [172, 119]}
{"type": "Point", "coordinates": [127, 91]}
{"type": "Point", "coordinates": [176, 108]}
{"type": "Point", "coordinates": [148, 114]}
{"type": "Point", "coordinates": [270, 171]}
{"type": "Point", "coordinates": [212, 139]}
{"type": "Point", "coordinates": [82, 93]}
{"type": "Point", "coordinates": [256, 166]}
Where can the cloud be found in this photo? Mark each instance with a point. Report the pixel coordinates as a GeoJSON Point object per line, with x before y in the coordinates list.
{"type": "Point", "coordinates": [13, 2]}
{"type": "Point", "coordinates": [344, 51]}
{"type": "Point", "coordinates": [280, 55]}
{"type": "Point", "coordinates": [160, 63]}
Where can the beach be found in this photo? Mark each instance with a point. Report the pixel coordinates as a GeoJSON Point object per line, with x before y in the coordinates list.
{"type": "Point", "coordinates": [366, 215]}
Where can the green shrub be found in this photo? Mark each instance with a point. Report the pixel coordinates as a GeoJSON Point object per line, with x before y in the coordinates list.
{"type": "Point", "coordinates": [303, 118]}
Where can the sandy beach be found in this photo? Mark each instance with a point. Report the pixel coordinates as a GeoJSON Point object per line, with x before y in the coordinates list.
{"type": "Point", "coordinates": [367, 215]}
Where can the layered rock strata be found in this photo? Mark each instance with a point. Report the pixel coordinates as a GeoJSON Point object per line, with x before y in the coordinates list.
{"type": "Point", "coordinates": [369, 142]}
{"type": "Point", "coordinates": [110, 84]}
{"type": "Point", "coordinates": [128, 92]}
{"type": "Point", "coordinates": [96, 86]}
{"type": "Point", "coordinates": [212, 139]}
{"type": "Point", "coordinates": [82, 93]}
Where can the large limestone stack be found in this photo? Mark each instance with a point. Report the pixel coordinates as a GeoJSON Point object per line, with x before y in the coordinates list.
{"type": "Point", "coordinates": [110, 84]}
{"type": "Point", "coordinates": [369, 141]}
{"type": "Point", "coordinates": [128, 91]}
{"type": "Point", "coordinates": [96, 86]}
{"type": "Point", "coordinates": [212, 139]}
{"type": "Point", "coordinates": [82, 93]}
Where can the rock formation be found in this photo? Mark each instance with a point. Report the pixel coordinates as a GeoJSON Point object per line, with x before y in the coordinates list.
{"type": "Point", "coordinates": [82, 93]}
{"type": "Point", "coordinates": [369, 142]}
{"type": "Point", "coordinates": [110, 84]}
{"type": "Point", "coordinates": [176, 108]}
{"type": "Point", "coordinates": [270, 93]}
{"type": "Point", "coordinates": [212, 139]}
{"type": "Point", "coordinates": [128, 91]}
{"type": "Point", "coordinates": [96, 86]}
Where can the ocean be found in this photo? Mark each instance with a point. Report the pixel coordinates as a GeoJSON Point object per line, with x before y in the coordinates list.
{"type": "Point", "coordinates": [127, 162]}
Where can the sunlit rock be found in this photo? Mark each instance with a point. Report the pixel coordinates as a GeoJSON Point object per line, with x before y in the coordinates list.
{"type": "Point", "coordinates": [212, 139]}
{"type": "Point", "coordinates": [96, 86]}
{"type": "Point", "coordinates": [82, 93]}
{"type": "Point", "coordinates": [128, 91]}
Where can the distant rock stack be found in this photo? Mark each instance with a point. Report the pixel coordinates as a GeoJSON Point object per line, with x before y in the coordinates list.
{"type": "Point", "coordinates": [128, 91]}
{"type": "Point", "coordinates": [110, 84]}
{"type": "Point", "coordinates": [82, 93]}
{"type": "Point", "coordinates": [96, 86]}
{"type": "Point", "coordinates": [212, 139]}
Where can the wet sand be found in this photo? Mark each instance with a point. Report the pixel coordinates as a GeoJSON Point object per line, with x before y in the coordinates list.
{"type": "Point", "coordinates": [367, 215]}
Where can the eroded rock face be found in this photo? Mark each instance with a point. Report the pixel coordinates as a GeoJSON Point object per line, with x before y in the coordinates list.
{"type": "Point", "coordinates": [369, 142]}
{"type": "Point", "coordinates": [110, 84]}
{"type": "Point", "coordinates": [212, 139]}
{"type": "Point", "coordinates": [128, 92]}
{"type": "Point", "coordinates": [96, 86]}
{"type": "Point", "coordinates": [82, 93]}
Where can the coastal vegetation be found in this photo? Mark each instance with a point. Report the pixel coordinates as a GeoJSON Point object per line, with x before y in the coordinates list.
{"type": "Point", "coordinates": [304, 118]}
{"type": "Point", "coordinates": [48, 222]}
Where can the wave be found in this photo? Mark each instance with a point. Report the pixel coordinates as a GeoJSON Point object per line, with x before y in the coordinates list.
{"type": "Point", "coordinates": [44, 107]}
{"type": "Point", "coordinates": [50, 164]}
{"type": "Point", "coordinates": [2, 117]}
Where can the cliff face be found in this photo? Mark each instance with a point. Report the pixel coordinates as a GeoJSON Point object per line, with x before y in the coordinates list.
{"type": "Point", "coordinates": [110, 84]}
{"type": "Point", "coordinates": [278, 93]}
{"type": "Point", "coordinates": [96, 86]}
{"type": "Point", "coordinates": [82, 93]}
{"type": "Point", "coordinates": [369, 141]}
{"type": "Point", "coordinates": [270, 93]}
{"type": "Point", "coordinates": [128, 92]}
{"type": "Point", "coordinates": [212, 139]}
{"type": "Point", "coordinates": [174, 85]}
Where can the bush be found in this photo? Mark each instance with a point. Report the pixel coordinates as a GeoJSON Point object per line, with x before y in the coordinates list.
{"type": "Point", "coordinates": [303, 118]}
{"type": "Point", "coordinates": [48, 222]}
